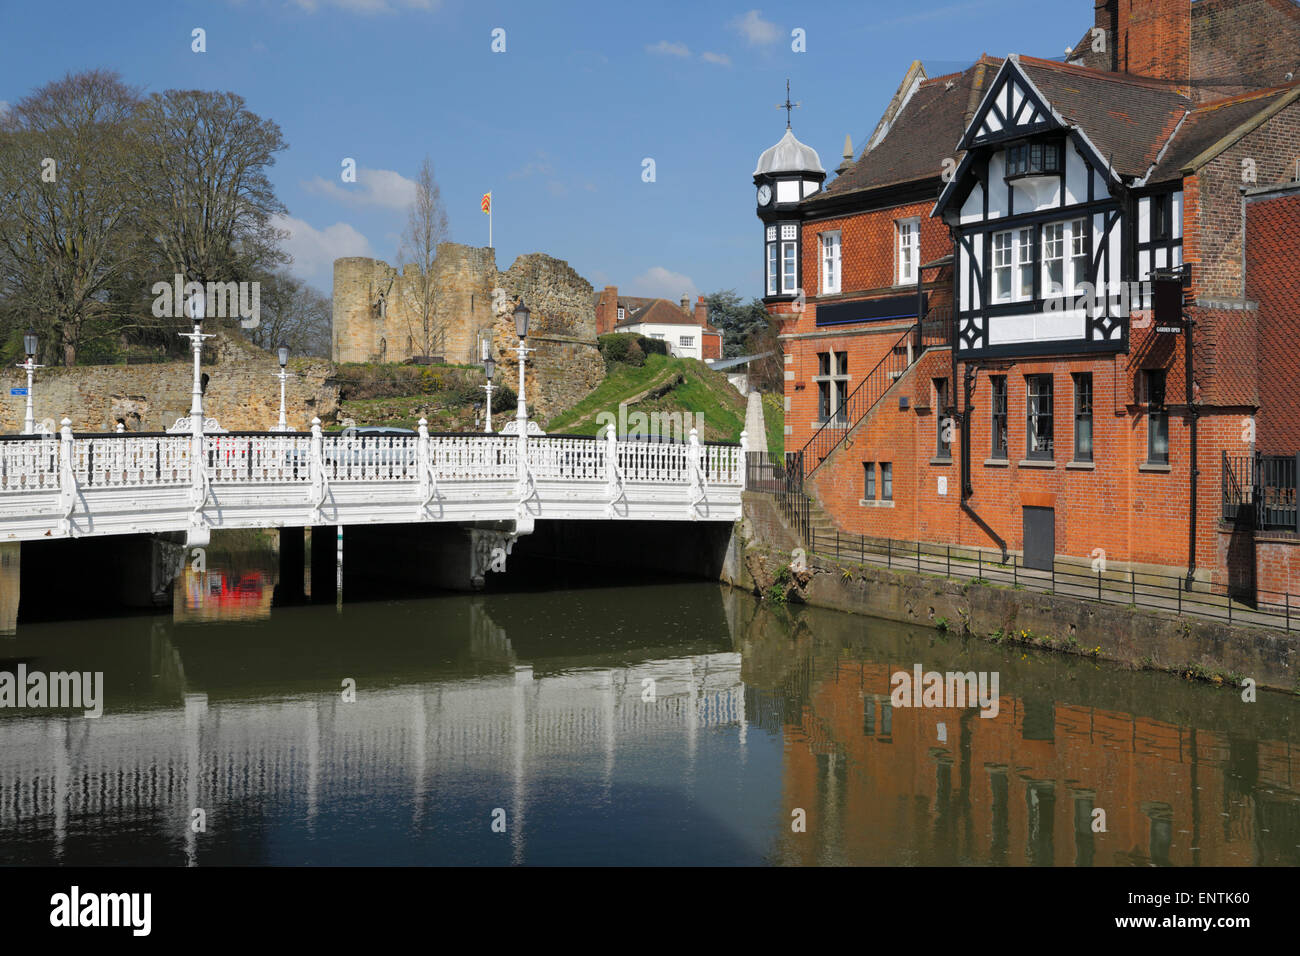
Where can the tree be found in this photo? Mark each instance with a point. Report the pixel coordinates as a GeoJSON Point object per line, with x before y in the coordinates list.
{"type": "Point", "coordinates": [426, 227]}
{"type": "Point", "coordinates": [205, 198]}
{"type": "Point", "coordinates": [736, 319]}
{"type": "Point", "coordinates": [67, 153]}
{"type": "Point", "coordinates": [765, 373]}
{"type": "Point", "coordinates": [292, 314]}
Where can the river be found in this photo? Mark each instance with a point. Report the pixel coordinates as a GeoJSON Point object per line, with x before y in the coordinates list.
{"type": "Point", "coordinates": [661, 723]}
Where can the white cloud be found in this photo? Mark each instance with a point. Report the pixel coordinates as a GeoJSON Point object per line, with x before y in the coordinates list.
{"type": "Point", "coordinates": [663, 283]}
{"type": "Point", "coordinates": [666, 48]}
{"type": "Point", "coordinates": [314, 250]}
{"type": "Point", "coordinates": [719, 58]}
{"type": "Point", "coordinates": [755, 29]}
{"type": "Point", "coordinates": [374, 187]}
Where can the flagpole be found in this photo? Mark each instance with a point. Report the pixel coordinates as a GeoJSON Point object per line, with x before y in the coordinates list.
{"type": "Point", "coordinates": [489, 224]}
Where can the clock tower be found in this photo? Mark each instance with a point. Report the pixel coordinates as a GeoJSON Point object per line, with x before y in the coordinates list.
{"type": "Point", "coordinates": [786, 174]}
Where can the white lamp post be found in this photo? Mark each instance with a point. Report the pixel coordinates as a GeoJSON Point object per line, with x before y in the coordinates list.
{"type": "Point", "coordinates": [29, 345]}
{"type": "Point", "coordinates": [282, 375]}
{"type": "Point", "coordinates": [490, 370]}
{"type": "Point", "coordinates": [195, 308]}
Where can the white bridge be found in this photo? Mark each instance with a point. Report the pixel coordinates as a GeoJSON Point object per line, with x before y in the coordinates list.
{"type": "Point", "coordinates": [66, 486]}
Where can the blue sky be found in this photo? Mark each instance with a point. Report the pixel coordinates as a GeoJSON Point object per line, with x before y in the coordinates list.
{"type": "Point", "coordinates": [557, 126]}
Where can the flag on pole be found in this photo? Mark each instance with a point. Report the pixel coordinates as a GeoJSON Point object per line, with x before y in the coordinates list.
{"type": "Point", "coordinates": [486, 204]}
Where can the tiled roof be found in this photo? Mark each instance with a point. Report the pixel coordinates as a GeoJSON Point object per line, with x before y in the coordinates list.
{"type": "Point", "coordinates": [1210, 123]}
{"type": "Point", "coordinates": [1128, 118]}
{"type": "Point", "coordinates": [659, 312]}
{"type": "Point", "coordinates": [923, 133]}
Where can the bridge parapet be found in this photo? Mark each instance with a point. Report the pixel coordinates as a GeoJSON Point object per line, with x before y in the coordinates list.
{"type": "Point", "coordinates": [70, 485]}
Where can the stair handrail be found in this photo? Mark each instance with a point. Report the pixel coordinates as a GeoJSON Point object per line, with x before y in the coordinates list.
{"type": "Point", "coordinates": [808, 462]}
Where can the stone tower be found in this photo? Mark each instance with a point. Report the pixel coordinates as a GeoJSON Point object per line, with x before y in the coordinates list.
{"type": "Point", "coordinates": [377, 319]}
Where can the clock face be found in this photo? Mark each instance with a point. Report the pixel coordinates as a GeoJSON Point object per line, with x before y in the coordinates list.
{"type": "Point", "coordinates": [764, 194]}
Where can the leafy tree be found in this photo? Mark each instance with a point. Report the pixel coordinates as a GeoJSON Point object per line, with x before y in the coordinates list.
{"type": "Point", "coordinates": [203, 192]}
{"type": "Point", "coordinates": [67, 152]}
{"type": "Point", "coordinates": [735, 318]}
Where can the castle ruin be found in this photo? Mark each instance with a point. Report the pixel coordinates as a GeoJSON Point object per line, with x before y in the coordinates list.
{"type": "Point", "coordinates": [377, 318]}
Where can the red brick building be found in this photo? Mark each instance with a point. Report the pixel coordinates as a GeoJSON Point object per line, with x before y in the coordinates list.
{"type": "Point", "coordinates": [1092, 219]}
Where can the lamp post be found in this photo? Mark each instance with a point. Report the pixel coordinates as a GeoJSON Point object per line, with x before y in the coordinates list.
{"type": "Point", "coordinates": [282, 375]}
{"type": "Point", "coordinates": [521, 326]}
{"type": "Point", "coordinates": [195, 308]}
{"type": "Point", "coordinates": [29, 345]}
{"type": "Point", "coordinates": [490, 370]}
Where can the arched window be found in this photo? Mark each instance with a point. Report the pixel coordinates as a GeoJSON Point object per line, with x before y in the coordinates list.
{"type": "Point", "coordinates": [383, 350]}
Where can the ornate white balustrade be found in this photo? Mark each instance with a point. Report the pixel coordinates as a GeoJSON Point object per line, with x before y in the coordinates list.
{"type": "Point", "coordinates": [66, 486]}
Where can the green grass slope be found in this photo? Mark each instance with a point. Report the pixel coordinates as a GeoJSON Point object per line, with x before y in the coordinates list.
{"type": "Point", "coordinates": [670, 386]}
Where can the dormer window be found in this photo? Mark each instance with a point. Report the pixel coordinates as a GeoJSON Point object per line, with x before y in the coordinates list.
{"type": "Point", "coordinates": [1033, 159]}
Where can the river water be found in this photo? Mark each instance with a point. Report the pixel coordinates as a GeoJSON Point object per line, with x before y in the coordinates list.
{"type": "Point", "coordinates": [663, 723]}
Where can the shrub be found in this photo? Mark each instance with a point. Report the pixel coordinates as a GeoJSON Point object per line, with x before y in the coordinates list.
{"type": "Point", "coordinates": [652, 346]}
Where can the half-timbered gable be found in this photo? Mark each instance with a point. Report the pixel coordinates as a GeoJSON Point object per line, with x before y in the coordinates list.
{"type": "Point", "coordinates": [1044, 212]}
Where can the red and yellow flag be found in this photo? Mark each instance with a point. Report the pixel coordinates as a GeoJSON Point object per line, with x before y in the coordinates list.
{"type": "Point", "coordinates": [486, 204]}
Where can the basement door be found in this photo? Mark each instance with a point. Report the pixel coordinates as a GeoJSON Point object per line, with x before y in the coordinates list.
{"type": "Point", "coordinates": [1039, 537]}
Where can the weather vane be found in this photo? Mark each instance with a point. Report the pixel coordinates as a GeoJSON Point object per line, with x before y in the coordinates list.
{"type": "Point", "coordinates": [787, 105]}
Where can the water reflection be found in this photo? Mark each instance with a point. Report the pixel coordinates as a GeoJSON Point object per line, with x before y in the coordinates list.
{"type": "Point", "coordinates": [658, 724]}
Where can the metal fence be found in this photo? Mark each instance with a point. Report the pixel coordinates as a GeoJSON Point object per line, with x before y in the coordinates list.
{"type": "Point", "coordinates": [784, 481]}
{"type": "Point", "coordinates": [1261, 489]}
{"type": "Point", "coordinates": [1136, 589]}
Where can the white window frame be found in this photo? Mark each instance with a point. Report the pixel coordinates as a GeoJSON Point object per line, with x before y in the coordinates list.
{"type": "Point", "coordinates": [1024, 275]}
{"type": "Point", "coordinates": [1055, 238]}
{"type": "Point", "coordinates": [773, 267]}
{"type": "Point", "coordinates": [1002, 260]}
{"type": "Point", "coordinates": [789, 266]}
{"type": "Point", "coordinates": [686, 341]}
{"type": "Point", "coordinates": [908, 246]}
{"type": "Point", "coordinates": [830, 262]}
{"type": "Point", "coordinates": [1018, 262]}
{"type": "Point", "coordinates": [1077, 231]}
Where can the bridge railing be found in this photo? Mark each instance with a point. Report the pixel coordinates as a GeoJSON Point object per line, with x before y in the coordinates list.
{"type": "Point", "coordinates": [34, 463]}
{"type": "Point", "coordinates": [29, 464]}
{"type": "Point", "coordinates": [469, 457]}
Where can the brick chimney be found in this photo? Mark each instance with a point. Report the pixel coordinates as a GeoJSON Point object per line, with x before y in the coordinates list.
{"type": "Point", "coordinates": [607, 310]}
{"type": "Point", "coordinates": [686, 303]}
{"type": "Point", "coordinates": [701, 313]}
{"type": "Point", "coordinates": [1149, 38]}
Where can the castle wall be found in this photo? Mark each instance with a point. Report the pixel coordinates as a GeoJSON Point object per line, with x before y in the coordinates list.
{"type": "Point", "coordinates": [474, 299]}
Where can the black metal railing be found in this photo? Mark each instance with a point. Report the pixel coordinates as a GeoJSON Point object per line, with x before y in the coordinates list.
{"type": "Point", "coordinates": [1262, 489]}
{"type": "Point", "coordinates": [1141, 589]}
{"type": "Point", "coordinates": [784, 481]}
{"type": "Point", "coordinates": [933, 331]}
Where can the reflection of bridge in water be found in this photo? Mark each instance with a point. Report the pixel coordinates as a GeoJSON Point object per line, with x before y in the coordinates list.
{"type": "Point", "coordinates": [307, 750]}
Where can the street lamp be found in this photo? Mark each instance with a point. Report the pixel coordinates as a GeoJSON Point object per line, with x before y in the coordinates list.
{"type": "Point", "coordinates": [490, 370]}
{"type": "Point", "coordinates": [282, 375]}
{"type": "Point", "coordinates": [521, 326]}
{"type": "Point", "coordinates": [29, 345]}
{"type": "Point", "coordinates": [195, 308]}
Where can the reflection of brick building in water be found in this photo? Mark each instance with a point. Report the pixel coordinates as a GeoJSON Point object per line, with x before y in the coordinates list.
{"type": "Point", "coordinates": [1019, 789]}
